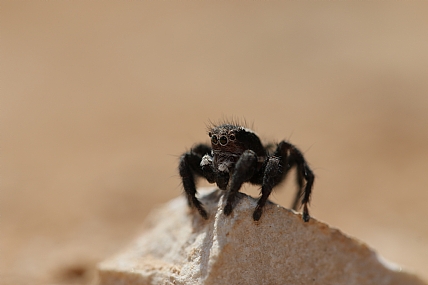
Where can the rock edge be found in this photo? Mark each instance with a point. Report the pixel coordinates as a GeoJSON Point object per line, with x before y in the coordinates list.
{"type": "Point", "coordinates": [179, 247]}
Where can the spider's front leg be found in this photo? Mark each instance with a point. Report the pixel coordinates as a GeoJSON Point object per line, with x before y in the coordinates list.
{"type": "Point", "coordinates": [272, 175]}
{"type": "Point", "coordinates": [245, 168]}
{"type": "Point", "coordinates": [189, 167]}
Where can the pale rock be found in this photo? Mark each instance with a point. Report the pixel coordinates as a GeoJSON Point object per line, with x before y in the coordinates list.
{"type": "Point", "coordinates": [179, 247]}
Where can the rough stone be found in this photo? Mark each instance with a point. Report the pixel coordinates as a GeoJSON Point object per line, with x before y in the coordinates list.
{"type": "Point", "coordinates": [179, 247]}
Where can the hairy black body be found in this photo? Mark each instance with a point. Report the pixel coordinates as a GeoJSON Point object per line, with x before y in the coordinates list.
{"type": "Point", "coordinates": [236, 156]}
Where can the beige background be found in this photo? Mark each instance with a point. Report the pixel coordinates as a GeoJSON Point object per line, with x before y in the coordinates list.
{"type": "Point", "coordinates": [99, 99]}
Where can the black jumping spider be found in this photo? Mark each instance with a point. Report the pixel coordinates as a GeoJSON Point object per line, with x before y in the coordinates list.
{"type": "Point", "coordinates": [236, 155]}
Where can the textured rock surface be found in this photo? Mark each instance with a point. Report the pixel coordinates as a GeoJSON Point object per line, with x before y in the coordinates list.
{"type": "Point", "coordinates": [179, 247]}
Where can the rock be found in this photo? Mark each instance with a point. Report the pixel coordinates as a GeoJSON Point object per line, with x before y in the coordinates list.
{"type": "Point", "coordinates": [179, 247]}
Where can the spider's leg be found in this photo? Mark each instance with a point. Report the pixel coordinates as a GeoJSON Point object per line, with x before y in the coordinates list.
{"type": "Point", "coordinates": [189, 167]}
{"type": "Point", "coordinates": [292, 156]}
{"type": "Point", "coordinates": [245, 168]}
{"type": "Point", "coordinates": [272, 175]}
{"type": "Point", "coordinates": [300, 184]}
{"type": "Point", "coordinates": [309, 176]}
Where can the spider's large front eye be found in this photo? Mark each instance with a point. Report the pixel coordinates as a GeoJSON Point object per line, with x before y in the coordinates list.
{"type": "Point", "coordinates": [214, 139]}
{"type": "Point", "coordinates": [223, 140]}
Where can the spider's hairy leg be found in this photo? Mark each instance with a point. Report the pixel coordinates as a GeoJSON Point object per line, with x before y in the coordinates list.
{"type": "Point", "coordinates": [292, 156]}
{"type": "Point", "coordinates": [245, 168]}
{"type": "Point", "coordinates": [272, 175]}
{"type": "Point", "coordinates": [189, 167]}
{"type": "Point", "coordinates": [300, 184]}
{"type": "Point", "coordinates": [309, 176]}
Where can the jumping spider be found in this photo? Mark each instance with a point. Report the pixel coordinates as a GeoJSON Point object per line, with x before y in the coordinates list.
{"type": "Point", "coordinates": [236, 155]}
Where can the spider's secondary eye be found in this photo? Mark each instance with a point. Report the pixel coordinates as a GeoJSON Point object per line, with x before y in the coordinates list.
{"type": "Point", "coordinates": [214, 139]}
{"type": "Point", "coordinates": [232, 137]}
{"type": "Point", "coordinates": [223, 140]}
{"type": "Point", "coordinates": [210, 134]}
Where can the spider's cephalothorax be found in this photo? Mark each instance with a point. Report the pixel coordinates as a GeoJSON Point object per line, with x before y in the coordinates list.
{"type": "Point", "coordinates": [236, 155]}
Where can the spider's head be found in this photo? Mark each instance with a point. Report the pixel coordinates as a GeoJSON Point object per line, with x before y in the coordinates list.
{"type": "Point", "coordinates": [228, 138]}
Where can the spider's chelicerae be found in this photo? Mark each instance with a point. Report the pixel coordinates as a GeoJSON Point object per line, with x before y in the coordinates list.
{"type": "Point", "coordinates": [236, 155]}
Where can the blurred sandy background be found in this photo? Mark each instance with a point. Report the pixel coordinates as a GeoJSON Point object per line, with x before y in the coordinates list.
{"type": "Point", "coordinates": [98, 100]}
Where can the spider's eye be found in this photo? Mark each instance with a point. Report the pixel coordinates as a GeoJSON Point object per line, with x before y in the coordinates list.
{"type": "Point", "coordinates": [232, 137]}
{"type": "Point", "coordinates": [223, 140]}
{"type": "Point", "coordinates": [210, 134]}
{"type": "Point", "coordinates": [214, 139]}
